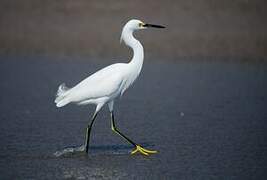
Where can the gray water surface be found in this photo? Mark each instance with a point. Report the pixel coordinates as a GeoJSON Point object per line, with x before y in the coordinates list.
{"type": "Point", "coordinates": [206, 119]}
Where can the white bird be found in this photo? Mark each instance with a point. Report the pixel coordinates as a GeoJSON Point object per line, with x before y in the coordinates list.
{"type": "Point", "coordinates": [108, 83]}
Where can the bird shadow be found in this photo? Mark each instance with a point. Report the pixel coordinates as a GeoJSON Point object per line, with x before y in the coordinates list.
{"type": "Point", "coordinates": [119, 149]}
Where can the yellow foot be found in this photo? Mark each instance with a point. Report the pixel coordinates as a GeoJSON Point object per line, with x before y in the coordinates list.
{"type": "Point", "coordinates": [143, 150]}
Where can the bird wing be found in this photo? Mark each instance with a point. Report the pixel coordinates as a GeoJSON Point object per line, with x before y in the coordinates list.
{"type": "Point", "coordinates": [103, 83]}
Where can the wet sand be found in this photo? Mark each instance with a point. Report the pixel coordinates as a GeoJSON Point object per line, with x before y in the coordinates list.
{"type": "Point", "coordinates": [207, 120]}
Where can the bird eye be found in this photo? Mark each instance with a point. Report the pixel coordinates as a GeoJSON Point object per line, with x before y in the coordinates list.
{"type": "Point", "coordinates": [140, 24]}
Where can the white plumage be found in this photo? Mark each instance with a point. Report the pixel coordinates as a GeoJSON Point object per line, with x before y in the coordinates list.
{"type": "Point", "coordinates": [110, 82]}
{"type": "Point", "coordinates": [104, 84]}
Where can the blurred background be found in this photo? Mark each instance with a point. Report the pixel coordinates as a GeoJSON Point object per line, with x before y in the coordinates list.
{"type": "Point", "coordinates": [91, 28]}
{"type": "Point", "coordinates": [200, 100]}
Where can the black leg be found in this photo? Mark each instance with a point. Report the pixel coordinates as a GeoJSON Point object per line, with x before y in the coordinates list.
{"type": "Point", "coordinates": [113, 127]}
{"type": "Point", "coordinates": [88, 131]}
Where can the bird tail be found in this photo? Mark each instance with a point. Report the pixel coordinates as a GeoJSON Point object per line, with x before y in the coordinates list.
{"type": "Point", "coordinates": [61, 96]}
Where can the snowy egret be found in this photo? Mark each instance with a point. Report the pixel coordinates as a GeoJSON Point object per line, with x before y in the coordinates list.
{"type": "Point", "coordinates": [108, 83]}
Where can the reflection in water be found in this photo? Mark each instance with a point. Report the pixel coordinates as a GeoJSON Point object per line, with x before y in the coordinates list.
{"type": "Point", "coordinates": [70, 151]}
{"type": "Point", "coordinates": [107, 149]}
{"type": "Point", "coordinates": [87, 167]}
{"type": "Point", "coordinates": [93, 173]}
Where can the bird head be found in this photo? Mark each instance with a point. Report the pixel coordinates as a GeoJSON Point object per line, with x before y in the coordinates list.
{"type": "Point", "coordinates": [135, 24]}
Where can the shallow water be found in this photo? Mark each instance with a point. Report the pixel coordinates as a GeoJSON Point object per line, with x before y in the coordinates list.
{"type": "Point", "coordinates": [206, 119]}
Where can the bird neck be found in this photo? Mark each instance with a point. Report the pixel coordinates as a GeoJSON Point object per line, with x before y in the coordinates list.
{"type": "Point", "coordinates": [138, 51]}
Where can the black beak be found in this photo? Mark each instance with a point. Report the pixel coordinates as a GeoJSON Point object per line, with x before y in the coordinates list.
{"type": "Point", "coordinates": [153, 25]}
